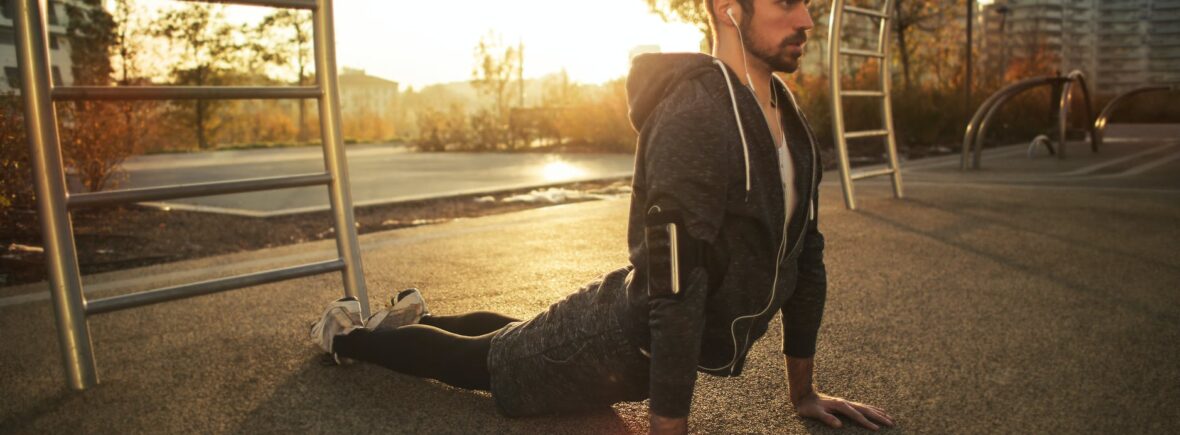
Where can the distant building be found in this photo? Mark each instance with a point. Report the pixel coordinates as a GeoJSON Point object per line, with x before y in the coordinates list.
{"type": "Point", "coordinates": [368, 106]}
{"type": "Point", "coordinates": [58, 46]}
{"type": "Point", "coordinates": [362, 94]}
{"type": "Point", "coordinates": [1118, 44]}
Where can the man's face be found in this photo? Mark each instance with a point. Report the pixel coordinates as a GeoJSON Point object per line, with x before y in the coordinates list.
{"type": "Point", "coordinates": [776, 31]}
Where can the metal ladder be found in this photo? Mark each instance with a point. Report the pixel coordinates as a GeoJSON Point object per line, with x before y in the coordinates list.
{"type": "Point", "coordinates": [836, 24]}
{"type": "Point", "coordinates": [54, 202]}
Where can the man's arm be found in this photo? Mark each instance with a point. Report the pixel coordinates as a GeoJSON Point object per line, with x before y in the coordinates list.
{"type": "Point", "coordinates": [802, 315]}
{"type": "Point", "coordinates": [685, 170]}
{"type": "Point", "coordinates": [803, 311]}
{"type": "Point", "coordinates": [676, 323]}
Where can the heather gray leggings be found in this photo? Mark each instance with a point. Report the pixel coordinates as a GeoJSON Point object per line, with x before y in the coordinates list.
{"type": "Point", "coordinates": [451, 349]}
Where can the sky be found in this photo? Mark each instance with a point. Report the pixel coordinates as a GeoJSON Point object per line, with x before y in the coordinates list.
{"type": "Point", "coordinates": [418, 42]}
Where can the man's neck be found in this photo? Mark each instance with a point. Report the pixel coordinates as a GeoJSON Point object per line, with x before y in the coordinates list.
{"type": "Point", "coordinates": [730, 51]}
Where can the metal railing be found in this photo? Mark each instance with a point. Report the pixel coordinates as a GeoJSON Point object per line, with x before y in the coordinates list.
{"type": "Point", "coordinates": [881, 52]}
{"type": "Point", "coordinates": [54, 202]}
{"type": "Point", "coordinates": [1075, 77]}
{"type": "Point", "coordinates": [976, 131]}
{"type": "Point", "coordinates": [1104, 116]}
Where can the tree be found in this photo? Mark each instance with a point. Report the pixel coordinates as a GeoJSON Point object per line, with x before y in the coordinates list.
{"type": "Point", "coordinates": [496, 65]}
{"type": "Point", "coordinates": [284, 41]}
{"type": "Point", "coordinates": [207, 57]}
{"type": "Point", "coordinates": [438, 129]}
{"type": "Point", "coordinates": [559, 95]}
{"type": "Point", "coordinates": [128, 71]}
{"type": "Point", "coordinates": [93, 132]}
{"type": "Point", "coordinates": [913, 14]}
{"type": "Point", "coordinates": [688, 11]}
{"type": "Point", "coordinates": [16, 178]}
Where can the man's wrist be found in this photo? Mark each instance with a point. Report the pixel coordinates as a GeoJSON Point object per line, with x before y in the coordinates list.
{"type": "Point", "coordinates": [798, 396]}
{"type": "Point", "coordinates": [800, 378]}
{"type": "Point", "coordinates": [668, 425]}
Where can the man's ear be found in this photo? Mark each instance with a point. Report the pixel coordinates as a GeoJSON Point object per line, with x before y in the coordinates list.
{"type": "Point", "coordinates": [728, 12]}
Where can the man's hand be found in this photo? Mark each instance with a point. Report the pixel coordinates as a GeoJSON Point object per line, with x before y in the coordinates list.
{"type": "Point", "coordinates": [668, 425]}
{"type": "Point", "coordinates": [810, 403]}
{"type": "Point", "coordinates": [823, 407]}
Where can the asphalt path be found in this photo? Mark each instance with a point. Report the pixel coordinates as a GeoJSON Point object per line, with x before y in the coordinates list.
{"type": "Point", "coordinates": [378, 174]}
{"type": "Point", "coordinates": [996, 301]}
{"type": "Point", "coordinates": [963, 308]}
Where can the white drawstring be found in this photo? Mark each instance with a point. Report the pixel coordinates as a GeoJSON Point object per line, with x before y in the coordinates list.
{"type": "Point", "coordinates": [782, 245]}
{"type": "Point", "coordinates": [738, 117]}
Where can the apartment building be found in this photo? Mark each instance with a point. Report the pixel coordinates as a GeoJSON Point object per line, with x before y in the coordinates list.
{"type": "Point", "coordinates": [1118, 44]}
{"type": "Point", "coordinates": [58, 46]}
{"type": "Point", "coordinates": [363, 94]}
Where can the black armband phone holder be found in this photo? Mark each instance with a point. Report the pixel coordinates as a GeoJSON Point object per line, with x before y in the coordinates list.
{"type": "Point", "coordinates": [671, 252]}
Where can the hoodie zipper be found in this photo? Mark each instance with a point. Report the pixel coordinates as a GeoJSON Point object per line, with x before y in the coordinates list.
{"type": "Point", "coordinates": [786, 220]}
{"type": "Point", "coordinates": [786, 227]}
{"type": "Point", "coordinates": [732, 365]}
{"type": "Point", "coordinates": [814, 164]}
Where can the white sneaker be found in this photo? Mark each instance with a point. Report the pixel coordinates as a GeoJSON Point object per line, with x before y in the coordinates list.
{"type": "Point", "coordinates": [407, 308]}
{"type": "Point", "coordinates": [340, 317]}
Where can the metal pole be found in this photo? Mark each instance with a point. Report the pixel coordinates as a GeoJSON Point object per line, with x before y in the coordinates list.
{"type": "Point", "coordinates": [1063, 117]}
{"type": "Point", "coordinates": [335, 161]}
{"type": "Point", "coordinates": [1089, 120]}
{"type": "Point", "coordinates": [132, 300]}
{"type": "Point", "coordinates": [93, 93]}
{"type": "Point", "coordinates": [970, 25]}
{"type": "Point", "coordinates": [61, 259]}
{"type": "Point", "coordinates": [887, 101]}
{"type": "Point", "coordinates": [834, 25]}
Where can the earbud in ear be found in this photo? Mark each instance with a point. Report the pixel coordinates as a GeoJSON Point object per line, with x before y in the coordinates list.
{"type": "Point", "coordinates": [729, 12]}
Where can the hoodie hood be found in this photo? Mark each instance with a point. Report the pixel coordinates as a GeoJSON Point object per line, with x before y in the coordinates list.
{"type": "Point", "coordinates": [655, 75]}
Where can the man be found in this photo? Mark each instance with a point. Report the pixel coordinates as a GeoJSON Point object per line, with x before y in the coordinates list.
{"type": "Point", "coordinates": [722, 234]}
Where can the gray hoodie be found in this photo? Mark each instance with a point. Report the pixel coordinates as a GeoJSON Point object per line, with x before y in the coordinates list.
{"type": "Point", "coordinates": [725, 180]}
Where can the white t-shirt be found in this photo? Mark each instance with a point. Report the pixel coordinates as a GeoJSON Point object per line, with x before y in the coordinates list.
{"type": "Point", "coordinates": [787, 168]}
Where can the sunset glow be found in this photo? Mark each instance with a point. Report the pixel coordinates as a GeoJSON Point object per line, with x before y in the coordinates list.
{"type": "Point", "coordinates": [418, 43]}
{"type": "Point", "coordinates": [558, 170]}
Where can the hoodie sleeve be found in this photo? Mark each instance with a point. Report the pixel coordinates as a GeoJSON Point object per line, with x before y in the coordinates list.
{"type": "Point", "coordinates": [684, 168]}
{"type": "Point", "coordinates": [803, 312]}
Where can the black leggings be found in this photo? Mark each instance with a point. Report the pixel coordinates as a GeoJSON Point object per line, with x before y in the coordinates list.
{"type": "Point", "coordinates": [451, 349]}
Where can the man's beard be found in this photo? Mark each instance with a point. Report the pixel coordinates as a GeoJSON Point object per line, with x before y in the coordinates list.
{"type": "Point", "coordinates": [779, 59]}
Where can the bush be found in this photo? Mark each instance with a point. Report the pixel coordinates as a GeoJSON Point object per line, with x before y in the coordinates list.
{"type": "Point", "coordinates": [16, 186]}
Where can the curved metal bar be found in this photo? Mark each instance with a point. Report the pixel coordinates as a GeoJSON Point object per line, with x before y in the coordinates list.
{"type": "Point", "coordinates": [883, 46]}
{"type": "Point", "coordinates": [975, 130]}
{"type": "Point", "coordinates": [987, 119]}
{"type": "Point", "coordinates": [882, 51]}
{"type": "Point", "coordinates": [835, 24]}
{"type": "Point", "coordinates": [1063, 111]}
{"type": "Point", "coordinates": [1081, 78]}
{"type": "Point", "coordinates": [1099, 130]}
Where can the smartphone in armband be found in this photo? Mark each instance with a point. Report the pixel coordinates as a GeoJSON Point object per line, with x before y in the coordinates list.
{"type": "Point", "coordinates": [663, 262]}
